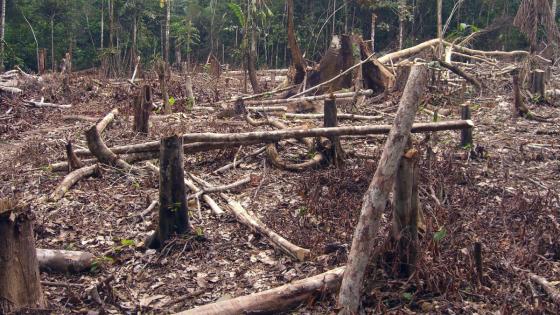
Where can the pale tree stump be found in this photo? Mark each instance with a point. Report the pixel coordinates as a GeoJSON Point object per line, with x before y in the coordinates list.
{"type": "Point", "coordinates": [173, 211]}
{"type": "Point", "coordinates": [538, 83]}
{"type": "Point", "coordinates": [20, 285]}
{"type": "Point", "coordinates": [142, 109]}
{"type": "Point", "coordinates": [190, 95]}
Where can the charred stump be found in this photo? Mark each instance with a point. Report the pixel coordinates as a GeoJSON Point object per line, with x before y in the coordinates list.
{"type": "Point", "coordinates": [20, 285]}
{"type": "Point", "coordinates": [142, 109]}
{"type": "Point", "coordinates": [173, 211]}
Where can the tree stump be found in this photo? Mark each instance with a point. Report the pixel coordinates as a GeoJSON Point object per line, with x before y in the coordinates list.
{"type": "Point", "coordinates": [466, 134]}
{"type": "Point", "coordinates": [74, 162]}
{"type": "Point", "coordinates": [142, 109]}
{"type": "Point", "coordinates": [519, 108]}
{"type": "Point", "coordinates": [190, 95]}
{"type": "Point", "coordinates": [538, 84]}
{"type": "Point", "coordinates": [173, 211]}
{"type": "Point", "coordinates": [403, 71]}
{"type": "Point", "coordinates": [335, 152]}
{"type": "Point", "coordinates": [42, 57]}
{"type": "Point", "coordinates": [405, 212]}
{"type": "Point", "coordinates": [20, 285]}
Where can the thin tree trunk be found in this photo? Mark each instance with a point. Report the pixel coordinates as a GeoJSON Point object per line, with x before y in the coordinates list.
{"type": "Point", "coordinates": [2, 32]}
{"type": "Point", "coordinates": [142, 108]}
{"type": "Point", "coordinates": [402, 12]}
{"type": "Point", "coordinates": [439, 27]}
{"type": "Point", "coordinates": [167, 25]}
{"type": "Point", "coordinates": [554, 6]}
{"type": "Point", "coordinates": [133, 50]}
{"type": "Point", "coordinates": [52, 44]}
{"type": "Point", "coordinates": [376, 196]}
{"type": "Point", "coordinates": [373, 20]}
{"type": "Point", "coordinates": [102, 25]}
{"type": "Point", "coordinates": [252, 56]}
{"type": "Point", "coordinates": [297, 57]}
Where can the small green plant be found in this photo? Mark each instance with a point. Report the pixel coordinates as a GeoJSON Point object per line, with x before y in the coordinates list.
{"type": "Point", "coordinates": [302, 211]}
{"type": "Point", "coordinates": [407, 296]}
{"type": "Point", "coordinates": [440, 234]}
{"type": "Point", "coordinates": [171, 101]}
{"type": "Point", "coordinates": [199, 231]}
{"type": "Point", "coordinates": [136, 184]}
{"type": "Point", "coordinates": [99, 262]}
{"type": "Point", "coordinates": [174, 207]}
{"type": "Point", "coordinates": [468, 147]}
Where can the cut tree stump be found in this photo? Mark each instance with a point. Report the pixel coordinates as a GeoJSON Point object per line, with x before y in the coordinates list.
{"type": "Point", "coordinates": [466, 134]}
{"type": "Point", "coordinates": [173, 210]}
{"type": "Point", "coordinates": [142, 109]}
{"type": "Point", "coordinates": [64, 261]}
{"type": "Point", "coordinates": [538, 83]}
{"type": "Point", "coordinates": [191, 102]}
{"type": "Point", "coordinates": [378, 191]}
{"type": "Point", "coordinates": [20, 286]}
{"type": "Point", "coordinates": [335, 153]}
{"type": "Point", "coordinates": [405, 212]}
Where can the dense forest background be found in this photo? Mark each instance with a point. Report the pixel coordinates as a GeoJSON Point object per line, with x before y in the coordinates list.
{"type": "Point", "coordinates": [198, 27]}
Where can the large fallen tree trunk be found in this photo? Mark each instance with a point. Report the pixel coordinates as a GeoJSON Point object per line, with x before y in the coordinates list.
{"type": "Point", "coordinates": [378, 191]}
{"type": "Point", "coordinates": [64, 261]}
{"type": "Point", "coordinates": [408, 52]}
{"type": "Point", "coordinates": [277, 135]}
{"type": "Point", "coordinates": [105, 121]}
{"type": "Point", "coordinates": [310, 98]}
{"type": "Point", "coordinates": [274, 300]}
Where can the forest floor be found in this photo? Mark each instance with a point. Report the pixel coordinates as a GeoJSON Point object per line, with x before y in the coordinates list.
{"type": "Point", "coordinates": [504, 193]}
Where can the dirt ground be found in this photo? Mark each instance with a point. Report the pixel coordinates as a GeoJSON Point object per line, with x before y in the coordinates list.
{"type": "Point", "coordinates": [503, 193]}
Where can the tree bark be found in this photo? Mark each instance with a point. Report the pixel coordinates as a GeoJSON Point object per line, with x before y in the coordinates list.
{"type": "Point", "coordinates": [252, 55]}
{"type": "Point", "coordinates": [405, 212]}
{"type": "Point", "coordinates": [173, 210]}
{"type": "Point", "coordinates": [103, 153]}
{"type": "Point", "coordinates": [466, 134]}
{"type": "Point", "coordinates": [439, 27]}
{"type": "Point", "coordinates": [191, 101]}
{"type": "Point", "coordinates": [335, 153]}
{"type": "Point", "coordinates": [72, 178]}
{"type": "Point", "coordinates": [73, 160]}
{"type": "Point", "coordinates": [378, 191]}
{"type": "Point", "coordinates": [42, 59]}
{"type": "Point", "coordinates": [519, 108]}
{"type": "Point", "coordinates": [373, 22]}
{"type": "Point", "coordinates": [344, 95]}
{"type": "Point", "coordinates": [297, 57]}
{"type": "Point", "coordinates": [142, 109]}
{"type": "Point", "coordinates": [538, 85]}
{"type": "Point", "coordinates": [20, 286]}
{"type": "Point", "coordinates": [167, 26]}
{"type": "Point", "coordinates": [102, 25]}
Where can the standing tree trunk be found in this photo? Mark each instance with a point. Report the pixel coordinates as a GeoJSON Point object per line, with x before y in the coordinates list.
{"type": "Point", "coordinates": [42, 59]}
{"type": "Point", "coordinates": [297, 57]}
{"type": "Point", "coordinates": [20, 286]}
{"type": "Point", "coordinates": [439, 27]}
{"type": "Point", "coordinates": [102, 25]}
{"type": "Point", "coordinates": [402, 17]}
{"type": "Point", "coordinates": [373, 21]}
{"type": "Point", "coordinates": [252, 56]}
{"type": "Point", "coordinates": [53, 66]}
{"type": "Point", "coordinates": [190, 94]}
{"type": "Point", "coordinates": [133, 49]}
{"type": "Point", "coordinates": [173, 210]}
{"type": "Point", "coordinates": [2, 31]}
{"type": "Point", "coordinates": [142, 108]}
{"type": "Point", "coordinates": [376, 196]}
{"type": "Point", "coordinates": [163, 73]}
{"type": "Point", "coordinates": [330, 119]}
{"type": "Point", "coordinates": [167, 25]}
{"type": "Point", "coordinates": [111, 23]}
{"type": "Point", "coordinates": [553, 9]}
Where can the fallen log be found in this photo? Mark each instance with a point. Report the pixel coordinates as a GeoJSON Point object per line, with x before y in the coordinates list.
{"type": "Point", "coordinates": [102, 152]}
{"type": "Point", "coordinates": [277, 135]}
{"type": "Point", "coordinates": [10, 89]}
{"type": "Point", "coordinates": [71, 179]}
{"type": "Point", "coordinates": [375, 198]}
{"type": "Point", "coordinates": [256, 225]}
{"type": "Point", "coordinates": [275, 300]}
{"type": "Point", "coordinates": [103, 123]}
{"type": "Point", "coordinates": [278, 162]}
{"type": "Point", "coordinates": [458, 71]}
{"type": "Point", "coordinates": [553, 293]}
{"type": "Point", "coordinates": [222, 188]}
{"type": "Point", "coordinates": [43, 104]}
{"type": "Point", "coordinates": [339, 116]}
{"type": "Point", "coordinates": [63, 261]}
{"type": "Point", "coordinates": [239, 161]}
{"type": "Point", "coordinates": [310, 98]}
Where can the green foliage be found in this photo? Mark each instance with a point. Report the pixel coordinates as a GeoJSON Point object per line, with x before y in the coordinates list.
{"type": "Point", "coordinates": [237, 12]}
{"type": "Point", "coordinates": [440, 235]}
